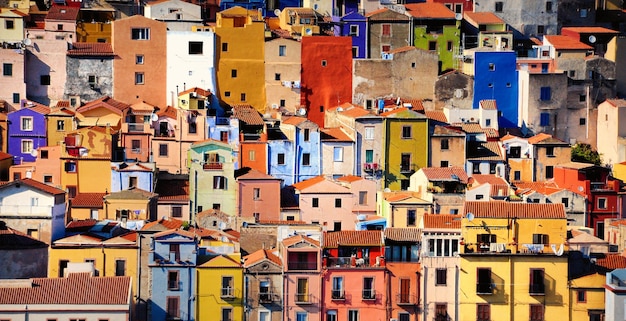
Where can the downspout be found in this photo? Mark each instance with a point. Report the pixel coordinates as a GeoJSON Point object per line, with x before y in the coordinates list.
{"type": "Point", "coordinates": [456, 293]}
{"type": "Point", "coordinates": [138, 296]}
{"type": "Point", "coordinates": [190, 294]}
{"type": "Point", "coordinates": [425, 309]}
{"type": "Point", "coordinates": [388, 300]}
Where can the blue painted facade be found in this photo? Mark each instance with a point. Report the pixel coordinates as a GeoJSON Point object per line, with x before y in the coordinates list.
{"type": "Point", "coordinates": [27, 127]}
{"type": "Point", "coordinates": [284, 171]}
{"type": "Point", "coordinates": [143, 173]}
{"type": "Point", "coordinates": [224, 129]}
{"type": "Point", "coordinates": [495, 77]}
{"type": "Point", "coordinates": [354, 25]}
{"type": "Point", "coordinates": [165, 263]}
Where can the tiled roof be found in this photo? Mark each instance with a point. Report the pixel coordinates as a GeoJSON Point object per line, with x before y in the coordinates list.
{"type": "Point", "coordinates": [472, 128]}
{"type": "Point", "coordinates": [496, 209]}
{"type": "Point", "coordinates": [402, 49]}
{"type": "Point", "coordinates": [539, 137]}
{"type": "Point", "coordinates": [247, 114]}
{"type": "Point", "coordinates": [77, 288]}
{"type": "Point", "coordinates": [353, 111]}
{"type": "Point", "coordinates": [617, 102]}
{"type": "Point", "coordinates": [35, 184]}
{"type": "Point", "coordinates": [213, 213]}
{"type": "Point", "coordinates": [62, 13]}
{"type": "Point", "coordinates": [597, 30]}
{"type": "Point", "coordinates": [294, 120]}
{"type": "Point", "coordinates": [88, 200]}
{"type": "Point", "coordinates": [403, 234]}
{"type": "Point", "coordinates": [576, 165]}
{"type": "Point", "coordinates": [488, 179]}
{"type": "Point", "coordinates": [281, 222]}
{"type": "Point", "coordinates": [349, 178]}
{"type": "Point", "coordinates": [176, 231]}
{"type": "Point", "coordinates": [352, 238]}
{"type": "Point", "coordinates": [260, 256]}
{"type": "Point", "coordinates": [429, 10]}
{"type": "Point", "coordinates": [164, 224]}
{"type": "Point", "coordinates": [130, 194]}
{"type": "Point", "coordinates": [385, 14]}
{"type": "Point", "coordinates": [399, 196]}
{"type": "Point", "coordinates": [437, 115]}
{"type": "Point", "coordinates": [80, 224]}
{"type": "Point", "coordinates": [491, 132]}
{"type": "Point", "coordinates": [483, 18]}
{"type": "Point", "coordinates": [334, 134]}
{"type": "Point", "coordinates": [611, 261]}
{"type": "Point", "coordinates": [488, 104]}
{"type": "Point", "coordinates": [103, 101]}
{"type": "Point", "coordinates": [4, 156]}
{"type": "Point", "coordinates": [309, 182]}
{"type": "Point", "coordinates": [442, 221]}
{"type": "Point", "coordinates": [375, 12]}
{"type": "Point", "coordinates": [449, 174]}
{"type": "Point", "coordinates": [90, 49]}
{"type": "Point", "coordinates": [486, 151]}
{"type": "Point", "coordinates": [169, 112]}
{"type": "Point", "coordinates": [255, 174]}
{"type": "Point", "coordinates": [287, 242]}
{"type": "Point", "coordinates": [618, 222]}
{"type": "Point", "coordinates": [564, 43]}
{"type": "Point", "coordinates": [545, 188]}
{"type": "Point", "coordinates": [11, 239]}
{"type": "Point", "coordinates": [416, 104]}
{"type": "Point", "coordinates": [447, 131]}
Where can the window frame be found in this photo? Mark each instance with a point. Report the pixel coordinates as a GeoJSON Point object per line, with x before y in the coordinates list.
{"type": "Point", "coordinates": [28, 149]}
{"type": "Point", "coordinates": [140, 34]}
{"type": "Point", "coordinates": [441, 277]}
{"type": "Point", "coordinates": [407, 132]}
{"type": "Point", "coordinates": [193, 48]}
{"type": "Point", "coordinates": [7, 69]}
{"type": "Point", "coordinates": [140, 78]}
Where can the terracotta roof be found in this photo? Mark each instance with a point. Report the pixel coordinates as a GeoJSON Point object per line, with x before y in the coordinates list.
{"type": "Point", "coordinates": [617, 102]}
{"type": "Point", "coordinates": [353, 111]}
{"type": "Point", "coordinates": [35, 184]}
{"type": "Point", "coordinates": [447, 131]}
{"type": "Point", "coordinates": [169, 112]}
{"type": "Point", "coordinates": [130, 194]}
{"type": "Point", "coordinates": [176, 231]}
{"type": "Point", "coordinates": [545, 188]}
{"type": "Point", "coordinates": [618, 222]}
{"type": "Point", "coordinates": [259, 256]}
{"type": "Point", "coordinates": [63, 104]}
{"type": "Point", "coordinates": [398, 196]}
{"type": "Point", "coordinates": [491, 132]}
{"type": "Point", "coordinates": [4, 155]}
{"type": "Point", "coordinates": [576, 165]}
{"type": "Point", "coordinates": [488, 179]}
{"type": "Point", "coordinates": [539, 137]}
{"type": "Point", "coordinates": [90, 49]}
{"type": "Point", "coordinates": [335, 134]}
{"type": "Point", "coordinates": [349, 178]}
{"type": "Point", "coordinates": [442, 221]}
{"type": "Point", "coordinates": [401, 49]}
{"type": "Point", "coordinates": [564, 43]}
{"type": "Point", "coordinates": [483, 18]}
{"type": "Point", "coordinates": [294, 120]}
{"type": "Point", "coordinates": [429, 10]}
{"type": "Point", "coordinates": [416, 104]}
{"type": "Point", "coordinates": [255, 174]}
{"type": "Point", "coordinates": [62, 13]}
{"type": "Point", "coordinates": [287, 242]}
{"type": "Point", "coordinates": [247, 114]}
{"type": "Point", "coordinates": [80, 224]}
{"type": "Point", "coordinates": [77, 288]}
{"type": "Point", "coordinates": [281, 222]}
{"type": "Point", "coordinates": [496, 209]}
{"type": "Point", "coordinates": [611, 261]}
{"type": "Point", "coordinates": [88, 200]}
{"type": "Point", "coordinates": [103, 101]}
{"type": "Point", "coordinates": [166, 224]}
{"type": "Point", "coordinates": [403, 234]}
{"type": "Point", "coordinates": [437, 115]}
{"type": "Point", "coordinates": [449, 174]}
{"type": "Point", "coordinates": [352, 238]}
{"type": "Point", "coordinates": [597, 30]}
{"type": "Point", "coordinates": [486, 151]}
{"type": "Point", "coordinates": [309, 182]}
{"type": "Point", "coordinates": [11, 239]}
{"type": "Point", "coordinates": [199, 91]}
{"type": "Point", "coordinates": [488, 104]}
{"type": "Point", "coordinates": [375, 12]}
{"type": "Point", "coordinates": [472, 128]}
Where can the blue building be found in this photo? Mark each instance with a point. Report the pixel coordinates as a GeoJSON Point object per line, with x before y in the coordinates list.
{"type": "Point", "coordinates": [495, 77]}
{"type": "Point", "coordinates": [294, 151]}
{"type": "Point", "coordinates": [247, 4]}
{"type": "Point", "coordinates": [354, 25]}
{"type": "Point", "coordinates": [27, 131]}
{"type": "Point", "coordinates": [173, 267]}
{"type": "Point", "coordinates": [125, 175]}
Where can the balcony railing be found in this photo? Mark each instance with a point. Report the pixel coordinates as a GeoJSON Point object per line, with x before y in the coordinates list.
{"type": "Point", "coordinates": [303, 298]}
{"type": "Point", "coordinates": [338, 294]}
{"type": "Point", "coordinates": [212, 166]}
{"type": "Point", "coordinates": [268, 297]}
{"type": "Point", "coordinates": [406, 299]}
{"type": "Point", "coordinates": [407, 168]}
{"type": "Point", "coordinates": [369, 294]}
{"type": "Point", "coordinates": [347, 262]}
{"type": "Point", "coordinates": [484, 288]}
{"type": "Point", "coordinates": [303, 266]}
{"type": "Point", "coordinates": [228, 293]}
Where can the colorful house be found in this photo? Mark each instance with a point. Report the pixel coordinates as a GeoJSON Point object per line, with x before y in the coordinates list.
{"type": "Point", "coordinates": [220, 289]}
{"type": "Point", "coordinates": [127, 175]}
{"type": "Point", "coordinates": [263, 273]}
{"type": "Point", "coordinates": [512, 261]}
{"type": "Point", "coordinates": [549, 152]}
{"type": "Point", "coordinates": [405, 143]}
{"type": "Point", "coordinates": [129, 205]}
{"type": "Point", "coordinates": [258, 196]}
{"type": "Point", "coordinates": [136, 131]}
{"type": "Point", "coordinates": [353, 276]}
{"type": "Point", "coordinates": [302, 285]}
{"type": "Point", "coordinates": [46, 168]}
{"type": "Point", "coordinates": [447, 147]}
{"type": "Point", "coordinates": [317, 195]}
{"type": "Point", "coordinates": [355, 26]}
{"type": "Point", "coordinates": [27, 131]}
{"type": "Point", "coordinates": [104, 111]}
{"type": "Point", "coordinates": [443, 186]}
{"type": "Point", "coordinates": [173, 193]}
{"type": "Point", "coordinates": [59, 121]}
{"type": "Point", "coordinates": [24, 256]}
{"type": "Point", "coordinates": [282, 73]}
{"type": "Point", "coordinates": [87, 206]}
{"type": "Point", "coordinates": [338, 151]}
{"type": "Point", "coordinates": [89, 68]}
{"type": "Point", "coordinates": [486, 29]}
{"type": "Point", "coordinates": [402, 209]}
{"type": "Point", "coordinates": [387, 30]}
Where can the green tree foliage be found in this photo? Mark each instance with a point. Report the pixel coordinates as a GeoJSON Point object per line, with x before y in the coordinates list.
{"type": "Point", "coordinates": [585, 154]}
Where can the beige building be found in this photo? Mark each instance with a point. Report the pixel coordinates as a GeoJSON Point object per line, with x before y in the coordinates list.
{"type": "Point", "coordinates": [282, 73]}
{"type": "Point", "coordinates": [612, 137]}
{"type": "Point", "coordinates": [337, 153]}
{"type": "Point", "coordinates": [447, 147]}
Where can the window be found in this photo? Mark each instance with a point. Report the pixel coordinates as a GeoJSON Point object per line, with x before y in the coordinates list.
{"type": "Point", "coordinates": [602, 203]}
{"type": "Point", "coordinates": [139, 60]}
{"type": "Point", "coordinates": [517, 175]}
{"type": "Point", "coordinates": [9, 24]}
{"type": "Point", "coordinates": [369, 133]}
{"type": "Point", "coordinates": [177, 211]}
{"type": "Point", "coordinates": [550, 151]}
{"type": "Point", "coordinates": [282, 103]}
{"type": "Point", "coordinates": [282, 50]}
{"type": "Point", "coordinates": [583, 13]}
{"type": "Point", "coordinates": [432, 45]}
{"type": "Point", "coordinates": [441, 312]}
{"type": "Point", "coordinates": [227, 314]}
{"type": "Point", "coordinates": [26, 123]}
{"type": "Point", "coordinates": [301, 316]}
{"type": "Point", "coordinates": [136, 146]}
{"type": "Point", "coordinates": [499, 5]}
{"type": "Point", "coordinates": [47, 179]}
{"type": "Point", "coordinates": [252, 155]}
{"type": "Point", "coordinates": [256, 193]}
{"type": "Point", "coordinates": [353, 315]}
{"type": "Point", "coordinates": [368, 288]}
{"type": "Point", "coordinates": [354, 30]}
{"type": "Point", "coordinates": [139, 78]}
{"type": "Point", "coordinates": [449, 46]}
{"type": "Point", "coordinates": [59, 26]}
{"type": "Point", "coordinates": [276, 76]}
{"type": "Point", "coordinates": [441, 277]}
{"type": "Point", "coordinates": [411, 217]}
{"type": "Point", "coordinates": [215, 206]}
{"type": "Point", "coordinates": [492, 66]}
{"type": "Point", "coordinates": [307, 134]}
{"type": "Point", "coordinates": [445, 144]}
{"type": "Point", "coordinates": [536, 312]}
{"type": "Point", "coordinates": [163, 150]}
{"type": "Point", "coordinates": [7, 69]}
{"type": "Point", "coordinates": [306, 159]}
{"type": "Point", "coordinates": [233, 73]}
{"type": "Point", "coordinates": [324, 63]}
{"type": "Point", "coordinates": [369, 156]}
{"type": "Point", "coordinates": [193, 126]}
{"type": "Point", "coordinates": [175, 252]}
{"type": "Point", "coordinates": [406, 132]}
{"type": "Point", "coordinates": [338, 154]}
{"type": "Point", "coordinates": [541, 29]}
{"type": "Point", "coordinates": [362, 197]}
{"type": "Point", "coordinates": [544, 120]}
{"type": "Point", "coordinates": [302, 291]}
{"type": "Point", "coordinates": [581, 296]}
{"type": "Point", "coordinates": [537, 285]}
{"type": "Point", "coordinates": [405, 162]}
{"type": "Point", "coordinates": [331, 315]}
{"type": "Point", "coordinates": [540, 239]}
{"type": "Point", "coordinates": [281, 159]}
{"type": "Point", "coordinates": [132, 181]}
{"type": "Point", "coordinates": [337, 290]}
{"type": "Point", "coordinates": [16, 98]}
{"type": "Point", "coordinates": [140, 33]}
{"type": "Point", "coordinates": [225, 46]}
{"type": "Point", "coordinates": [385, 48]}
{"type": "Point", "coordinates": [243, 97]}
{"type": "Point", "coordinates": [582, 121]}
{"type": "Point", "coordinates": [336, 226]}
{"type": "Point", "coordinates": [44, 80]}
{"type": "Point", "coordinates": [386, 29]}
{"type": "Point", "coordinates": [337, 202]}
{"type": "Point", "coordinates": [483, 312]}
{"type": "Point", "coordinates": [195, 47]}
{"type": "Point", "coordinates": [321, 108]}
{"type": "Point", "coordinates": [483, 284]}
{"type": "Point", "coordinates": [173, 307]}
{"type": "Point", "coordinates": [444, 164]}
{"type": "Point", "coordinates": [402, 316]}
{"type": "Point", "coordinates": [549, 172]}
{"type": "Point", "coordinates": [60, 125]}
{"type": "Point", "coordinates": [572, 73]}
{"type": "Point", "coordinates": [27, 146]}
{"type": "Point", "coordinates": [549, 6]}
{"type": "Point", "coordinates": [120, 267]}
{"type": "Point", "coordinates": [545, 93]}
{"type": "Point", "coordinates": [315, 202]}
{"type": "Point", "coordinates": [227, 286]}
{"type": "Point", "coordinates": [219, 182]}
{"type": "Point", "coordinates": [70, 167]}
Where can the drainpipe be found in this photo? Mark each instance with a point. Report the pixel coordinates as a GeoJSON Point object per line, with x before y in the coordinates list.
{"type": "Point", "coordinates": [456, 293]}
{"type": "Point", "coordinates": [425, 305]}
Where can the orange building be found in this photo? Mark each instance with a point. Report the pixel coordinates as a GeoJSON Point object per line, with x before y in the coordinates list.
{"type": "Point", "coordinates": [140, 67]}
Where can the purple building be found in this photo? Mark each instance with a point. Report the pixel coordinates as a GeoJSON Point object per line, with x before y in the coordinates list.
{"type": "Point", "coordinates": [354, 25]}
{"type": "Point", "coordinates": [27, 131]}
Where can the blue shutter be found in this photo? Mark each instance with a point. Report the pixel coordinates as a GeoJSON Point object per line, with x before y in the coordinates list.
{"type": "Point", "coordinates": [545, 119]}
{"type": "Point", "coordinates": [546, 93]}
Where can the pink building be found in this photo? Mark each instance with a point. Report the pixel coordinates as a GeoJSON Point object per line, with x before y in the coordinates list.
{"type": "Point", "coordinates": [258, 196]}
{"type": "Point", "coordinates": [302, 282]}
{"type": "Point", "coordinates": [354, 277]}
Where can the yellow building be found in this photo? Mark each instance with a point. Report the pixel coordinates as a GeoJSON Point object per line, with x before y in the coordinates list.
{"type": "Point", "coordinates": [587, 296]}
{"type": "Point", "coordinates": [220, 290]}
{"type": "Point", "coordinates": [240, 35]}
{"type": "Point", "coordinates": [513, 265]}
{"type": "Point", "coordinates": [59, 121]}
{"type": "Point", "coordinates": [131, 204]}
{"type": "Point", "coordinates": [405, 143]}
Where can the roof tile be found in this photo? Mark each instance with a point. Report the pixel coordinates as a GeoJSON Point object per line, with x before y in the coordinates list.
{"type": "Point", "coordinates": [496, 209]}
{"type": "Point", "coordinates": [442, 221]}
{"type": "Point", "coordinates": [352, 238]}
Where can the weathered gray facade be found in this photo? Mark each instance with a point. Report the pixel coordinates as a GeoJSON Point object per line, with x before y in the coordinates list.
{"type": "Point", "coordinates": [576, 13]}
{"type": "Point", "coordinates": [454, 89]}
{"type": "Point", "coordinates": [21, 256]}
{"type": "Point", "coordinates": [89, 78]}
{"type": "Point", "coordinates": [528, 18]}
{"type": "Point", "coordinates": [388, 30]}
{"type": "Point", "coordinates": [264, 283]}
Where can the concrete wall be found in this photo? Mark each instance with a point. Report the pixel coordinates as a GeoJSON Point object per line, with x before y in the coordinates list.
{"type": "Point", "coordinates": [78, 71]}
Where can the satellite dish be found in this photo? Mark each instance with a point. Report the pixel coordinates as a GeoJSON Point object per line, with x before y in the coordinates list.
{"type": "Point", "coordinates": [33, 153]}
{"type": "Point", "coordinates": [154, 117]}
{"type": "Point", "coordinates": [387, 190]}
{"type": "Point", "coordinates": [27, 42]}
{"type": "Point", "coordinates": [308, 31]}
{"type": "Point", "coordinates": [458, 16]}
{"type": "Point", "coordinates": [470, 216]}
{"type": "Point", "coordinates": [592, 39]}
{"type": "Point", "coordinates": [301, 111]}
{"type": "Point", "coordinates": [277, 12]}
{"type": "Point", "coordinates": [339, 109]}
{"type": "Point", "coordinates": [580, 188]}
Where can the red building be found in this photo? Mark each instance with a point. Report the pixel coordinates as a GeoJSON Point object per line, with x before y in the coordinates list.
{"type": "Point", "coordinates": [326, 79]}
{"type": "Point", "coordinates": [600, 190]}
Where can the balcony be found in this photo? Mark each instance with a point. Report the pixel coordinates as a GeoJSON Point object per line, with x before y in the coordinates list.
{"type": "Point", "coordinates": [537, 289]}
{"type": "Point", "coordinates": [407, 168]}
{"type": "Point", "coordinates": [406, 299]}
{"type": "Point", "coordinates": [268, 297]}
{"type": "Point", "coordinates": [302, 266]}
{"type": "Point", "coordinates": [212, 166]}
{"type": "Point", "coordinates": [369, 294]}
{"type": "Point", "coordinates": [338, 294]}
{"type": "Point", "coordinates": [370, 167]}
{"type": "Point", "coordinates": [303, 298]}
{"type": "Point", "coordinates": [228, 293]}
{"type": "Point", "coordinates": [347, 262]}
{"type": "Point", "coordinates": [134, 127]}
{"type": "Point", "coordinates": [484, 288]}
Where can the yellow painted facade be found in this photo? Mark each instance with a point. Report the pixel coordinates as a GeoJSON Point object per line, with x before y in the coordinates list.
{"type": "Point", "coordinates": [103, 257]}
{"type": "Point", "coordinates": [592, 290]}
{"type": "Point", "coordinates": [405, 135]}
{"type": "Point", "coordinates": [240, 35]}
{"type": "Point", "coordinates": [58, 123]}
{"type": "Point", "coordinates": [619, 171]}
{"type": "Point", "coordinates": [93, 32]}
{"type": "Point", "coordinates": [91, 172]}
{"type": "Point", "coordinates": [213, 300]}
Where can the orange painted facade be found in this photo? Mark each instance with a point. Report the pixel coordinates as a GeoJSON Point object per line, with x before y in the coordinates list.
{"type": "Point", "coordinates": [140, 65]}
{"type": "Point", "coordinates": [253, 154]}
{"type": "Point", "coordinates": [326, 74]}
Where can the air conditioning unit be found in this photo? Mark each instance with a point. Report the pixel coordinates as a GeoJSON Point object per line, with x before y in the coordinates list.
{"type": "Point", "coordinates": [193, 95]}
{"type": "Point", "coordinates": [393, 319]}
{"type": "Point", "coordinates": [274, 106]}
